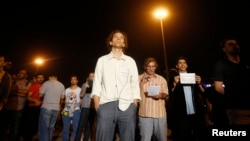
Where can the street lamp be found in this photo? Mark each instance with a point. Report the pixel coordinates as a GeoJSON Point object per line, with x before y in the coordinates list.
{"type": "Point", "coordinates": [161, 14]}
{"type": "Point", "coordinates": [38, 62]}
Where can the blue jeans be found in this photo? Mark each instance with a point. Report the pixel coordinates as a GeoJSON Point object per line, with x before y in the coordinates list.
{"type": "Point", "coordinates": [153, 126]}
{"type": "Point", "coordinates": [47, 121]}
{"type": "Point", "coordinates": [67, 122]}
{"type": "Point", "coordinates": [109, 116]}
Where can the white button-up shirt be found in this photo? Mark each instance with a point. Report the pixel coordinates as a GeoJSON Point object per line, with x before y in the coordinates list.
{"type": "Point", "coordinates": [116, 79]}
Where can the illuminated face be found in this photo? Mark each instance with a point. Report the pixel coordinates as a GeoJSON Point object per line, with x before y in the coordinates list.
{"type": "Point", "coordinates": [91, 76]}
{"type": "Point", "coordinates": [231, 47]}
{"type": "Point", "coordinates": [2, 63]}
{"type": "Point", "coordinates": [74, 80]}
{"type": "Point", "coordinates": [118, 40]}
{"type": "Point", "coordinates": [22, 74]}
{"type": "Point", "coordinates": [40, 78]}
{"type": "Point", "coordinates": [150, 68]}
{"type": "Point", "coordinates": [182, 65]}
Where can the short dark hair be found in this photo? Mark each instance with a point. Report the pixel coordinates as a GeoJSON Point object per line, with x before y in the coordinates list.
{"type": "Point", "coordinates": [181, 58]}
{"type": "Point", "coordinates": [52, 75]}
{"type": "Point", "coordinates": [223, 42]}
{"type": "Point", "coordinates": [74, 75]}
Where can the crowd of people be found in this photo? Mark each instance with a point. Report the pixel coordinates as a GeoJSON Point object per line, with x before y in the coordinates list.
{"type": "Point", "coordinates": [117, 101]}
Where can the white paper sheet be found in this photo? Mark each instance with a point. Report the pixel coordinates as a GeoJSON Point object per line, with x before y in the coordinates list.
{"type": "Point", "coordinates": [187, 78]}
{"type": "Point", "coordinates": [153, 90]}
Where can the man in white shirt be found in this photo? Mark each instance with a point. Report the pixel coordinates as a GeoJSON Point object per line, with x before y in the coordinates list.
{"type": "Point", "coordinates": [116, 91]}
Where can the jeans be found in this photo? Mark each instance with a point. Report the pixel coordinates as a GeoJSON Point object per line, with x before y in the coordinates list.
{"type": "Point", "coordinates": [82, 123]}
{"type": "Point", "coordinates": [47, 121]}
{"type": "Point", "coordinates": [87, 119]}
{"type": "Point", "coordinates": [67, 122]}
{"type": "Point", "coordinates": [153, 126]}
{"type": "Point", "coordinates": [90, 122]}
{"type": "Point", "coordinates": [109, 116]}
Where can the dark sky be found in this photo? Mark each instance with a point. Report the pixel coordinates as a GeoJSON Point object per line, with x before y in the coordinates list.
{"type": "Point", "coordinates": [71, 35]}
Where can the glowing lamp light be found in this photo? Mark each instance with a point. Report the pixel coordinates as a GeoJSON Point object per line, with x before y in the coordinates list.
{"type": "Point", "coordinates": [161, 14]}
{"type": "Point", "coordinates": [39, 61]}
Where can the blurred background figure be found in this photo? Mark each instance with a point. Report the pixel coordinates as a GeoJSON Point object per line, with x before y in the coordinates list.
{"type": "Point", "coordinates": [88, 113]}
{"type": "Point", "coordinates": [5, 85]}
{"type": "Point", "coordinates": [32, 109]}
{"type": "Point", "coordinates": [231, 76]}
{"type": "Point", "coordinates": [53, 92]}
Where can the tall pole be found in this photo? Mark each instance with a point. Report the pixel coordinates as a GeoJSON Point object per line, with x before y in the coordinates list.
{"type": "Point", "coordinates": [164, 48]}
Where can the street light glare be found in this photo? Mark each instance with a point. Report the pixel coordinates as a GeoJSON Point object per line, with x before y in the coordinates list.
{"type": "Point", "coordinates": [161, 13]}
{"type": "Point", "coordinates": [39, 61]}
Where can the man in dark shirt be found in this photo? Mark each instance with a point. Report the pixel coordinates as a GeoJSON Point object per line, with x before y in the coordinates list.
{"type": "Point", "coordinates": [231, 76]}
{"type": "Point", "coordinates": [5, 84]}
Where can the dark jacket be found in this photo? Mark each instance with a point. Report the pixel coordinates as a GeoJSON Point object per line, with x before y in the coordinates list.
{"type": "Point", "coordinates": [5, 86]}
{"type": "Point", "coordinates": [177, 105]}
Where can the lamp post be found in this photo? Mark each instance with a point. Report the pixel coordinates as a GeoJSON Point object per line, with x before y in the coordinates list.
{"type": "Point", "coordinates": [38, 62]}
{"type": "Point", "coordinates": [161, 14]}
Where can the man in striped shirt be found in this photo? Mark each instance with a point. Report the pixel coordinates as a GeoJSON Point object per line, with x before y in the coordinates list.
{"type": "Point", "coordinates": [152, 110]}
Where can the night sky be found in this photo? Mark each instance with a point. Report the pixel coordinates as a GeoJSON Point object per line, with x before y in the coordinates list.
{"type": "Point", "coordinates": [70, 36]}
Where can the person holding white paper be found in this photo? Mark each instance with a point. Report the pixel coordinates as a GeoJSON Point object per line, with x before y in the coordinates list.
{"type": "Point", "coordinates": [152, 109]}
{"type": "Point", "coordinates": [185, 112]}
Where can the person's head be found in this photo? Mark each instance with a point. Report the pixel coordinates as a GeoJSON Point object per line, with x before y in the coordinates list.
{"type": "Point", "coordinates": [173, 72]}
{"type": "Point", "coordinates": [150, 65]}
{"type": "Point", "coordinates": [2, 61]}
{"type": "Point", "coordinates": [230, 46]}
{"type": "Point", "coordinates": [22, 74]}
{"type": "Point", "coordinates": [181, 64]}
{"type": "Point", "coordinates": [5, 64]}
{"type": "Point", "coordinates": [117, 39]}
{"type": "Point", "coordinates": [73, 80]}
{"type": "Point", "coordinates": [52, 76]}
{"type": "Point", "coordinates": [91, 76]}
{"type": "Point", "coordinates": [39, 78]}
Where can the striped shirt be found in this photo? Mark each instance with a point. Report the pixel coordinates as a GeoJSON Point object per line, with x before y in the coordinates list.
{"type": "Point", "coordinates": [150, 107]}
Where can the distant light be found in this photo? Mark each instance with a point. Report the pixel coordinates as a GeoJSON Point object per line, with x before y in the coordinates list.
{"type": "Point", "coordinates": [207, 85]}
{"type": "Point", "coordinates": [39, 61]}
{"type": "Point", "coordinates": [161, 13]}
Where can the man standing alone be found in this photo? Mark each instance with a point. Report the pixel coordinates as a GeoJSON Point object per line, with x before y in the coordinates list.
{"type": "Point", "coordinates": [116, 91]}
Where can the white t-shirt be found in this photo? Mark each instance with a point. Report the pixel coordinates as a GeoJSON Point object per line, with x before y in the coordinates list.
{"type": "Point", "coordinates": [72, 99]}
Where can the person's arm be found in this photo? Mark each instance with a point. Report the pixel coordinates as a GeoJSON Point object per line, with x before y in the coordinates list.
{"type": "Point", "coordinates": [199, 83]}
{"type": "Point", "coordinates": [218, 86]}
{"type": "Point", "coordinates": [176, 82]}
{"type": "Point", "coordinates": [84, 88]}
{"type": "Point", "coordinates": [160, 96]}
{"type": "Point", "coordinates": [37, 102]}
{"type": "Point", "coordinates": [6, 90]}
{"type": "Point", "coordinates": [96, 100]}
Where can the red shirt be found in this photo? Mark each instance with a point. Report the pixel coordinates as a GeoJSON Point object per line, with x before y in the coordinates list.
{"type": "Point", "coordinates": [35, 93]}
